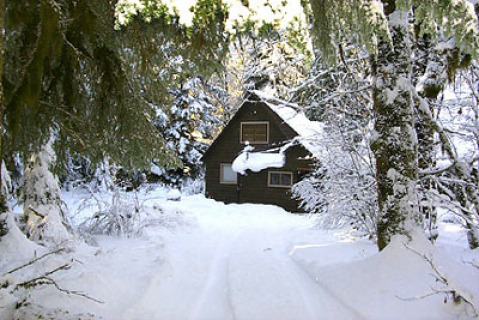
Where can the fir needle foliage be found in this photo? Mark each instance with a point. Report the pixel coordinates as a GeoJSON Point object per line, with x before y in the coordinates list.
{"type": "Point", "coordinates": [64, 72]}
{"type": "Point", "coordinates": [69, 72]}
{"type": "Point", "coordinates": [366, 20]}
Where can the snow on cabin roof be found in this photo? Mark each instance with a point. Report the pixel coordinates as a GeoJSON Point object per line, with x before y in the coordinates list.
{"type": "Point", "coordinates": [307, 130]}
{"type": "Point", "coordinates": [257, 161]}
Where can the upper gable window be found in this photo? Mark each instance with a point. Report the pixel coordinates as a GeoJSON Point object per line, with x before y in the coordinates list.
{"type": "Point", "coordinates": [255, 132]}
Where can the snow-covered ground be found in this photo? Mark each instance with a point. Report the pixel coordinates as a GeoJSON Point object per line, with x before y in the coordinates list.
{"type": "Point", "coordinates": [217, 261]}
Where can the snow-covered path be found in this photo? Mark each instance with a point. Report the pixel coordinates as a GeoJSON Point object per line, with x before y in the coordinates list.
{"type": "Point", "coordinates": [235, 264]}
{"type": "Point", "coordinates": [247, 262]}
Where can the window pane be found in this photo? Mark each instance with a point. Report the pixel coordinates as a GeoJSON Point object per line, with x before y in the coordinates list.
{"type": "Point", "coordinates": [285, 179]}
{"type": "Point", "coordinates": [254, 132]}
{"type": "Point", "coordinates": [248, 137]}
{"type": "Point", "coordinates": [227, 174]}
{"type": "Point", "coordinates": [248, 129]}
{"type": "Point", "coordinates": [280, 179]}
{"type": "Point", "coordinates": [261, 137]}
{"type": "Point", "coordinates": [261, 128]}
{"type": "Point", "coordinates": [274, 178]}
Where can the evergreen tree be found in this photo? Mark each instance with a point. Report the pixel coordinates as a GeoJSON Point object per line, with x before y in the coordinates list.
{"type": "Point", "coordinates": [272, 60]}
{"type": "Point", "coordinates": [68, 76]}
{"type": "Point", "coordinates": [65, 71]}
{"type": "Point", "coordinates": [188, 129]}
{"type": "Point", "coordinates": [62, 74]}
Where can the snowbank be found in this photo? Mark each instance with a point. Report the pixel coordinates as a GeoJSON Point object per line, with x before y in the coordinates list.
{"type": "Point", "coordinates": [397, 283]}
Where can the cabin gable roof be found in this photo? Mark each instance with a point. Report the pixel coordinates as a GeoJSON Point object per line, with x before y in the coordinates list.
{"type": "Point", "coordinates": [284, 117]}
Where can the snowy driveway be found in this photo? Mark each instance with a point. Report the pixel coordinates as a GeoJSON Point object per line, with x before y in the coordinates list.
{"type": "Point", "coordinates": [256, 262]}
{"type": "Point", "coordinates": [233, 263]}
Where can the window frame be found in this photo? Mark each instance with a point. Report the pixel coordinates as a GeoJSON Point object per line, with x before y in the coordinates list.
{"type": "Point", "coordinates": [253, 123]}
{"type": "Point", "coordinates": [222, 180]}
{"type": "Point", "coordinates": [290, 173]}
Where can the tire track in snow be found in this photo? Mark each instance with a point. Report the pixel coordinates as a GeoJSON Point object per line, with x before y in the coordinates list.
{"type": "Point", "coordinates": [235, 268]}
{"type": "Point", "coordinates": [316, 281]}
{"type": "Point", "coordinates": [310, 296]}
{"type": "Point", "coordinates": [190, 287]}
{"type": "Point", "coordinates": [260, 286]}
{"type": "Point", "coordinates": [141, 291]}
{"type": "Point", "coordinates": [214, 301]}
{"type": "Point", "coordinates": [312, 291]}
{"type": "Point", "coordinates": [266, 284]}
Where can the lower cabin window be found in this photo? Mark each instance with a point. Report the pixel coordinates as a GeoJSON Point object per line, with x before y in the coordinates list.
{"type": "Point", "coordinates": [227, 175]}
{"type": "Point", "coordinates": [282, 179]}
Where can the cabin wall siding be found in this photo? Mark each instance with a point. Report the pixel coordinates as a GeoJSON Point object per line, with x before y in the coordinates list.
{"type": "Point", "coordinates": [252, 187]}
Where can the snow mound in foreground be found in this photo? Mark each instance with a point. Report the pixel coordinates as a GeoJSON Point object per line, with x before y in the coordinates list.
{"type": "Point", "coordinates": [396, 283]}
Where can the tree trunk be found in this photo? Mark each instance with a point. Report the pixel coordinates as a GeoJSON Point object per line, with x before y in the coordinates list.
{"type": "Point", "coordinates": [462, 195]}
{"type": "Point", "coordinates": [395, 144]}
{"type": "Point", "coordinates": [473, 196]}
{"type": "Point", "coordinates": [429, 69]}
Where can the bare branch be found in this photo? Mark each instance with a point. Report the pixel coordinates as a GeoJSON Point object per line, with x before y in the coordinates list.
{"type": "Point", "coordinates": [35, 260]}
{"type": "Point", "coordinates": [41, 215]}
{"type": "Point", "coordinates": [45, 279]}
{"type": "Point", "coordinates": [457, 294]}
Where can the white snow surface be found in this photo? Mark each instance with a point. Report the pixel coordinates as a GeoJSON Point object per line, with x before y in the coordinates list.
{"type": "Point", "coordinates": [248, 262]}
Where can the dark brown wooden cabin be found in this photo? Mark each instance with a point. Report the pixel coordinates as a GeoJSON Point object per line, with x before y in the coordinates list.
{"type": "Point", "coordinates": [257, 123]}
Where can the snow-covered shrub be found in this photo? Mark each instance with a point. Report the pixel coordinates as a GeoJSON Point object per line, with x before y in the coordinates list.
{"type": "Point", "coordinates": [117, 213]}
{"type": "Point", "coordinates": [342, 190]}
{"type": "Point", "coordinates": [28, 310]}
{"type": "Point", "coordinates": [19, 301]}
{"type": "Point", "coordinates": [21, 285]}
{"type": "Point", "coordinates": [79, 170]}
{"type": "Point", "coordinates": [121, 213]}
{"type": "Point", "coordinates": [104, 177]}
{"type": "Point", "coordinates": [101, 176]}
{"type": "Point", "coordinates": [193, 186]}
{"type": "Point", "coordinates": [41, 197]}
